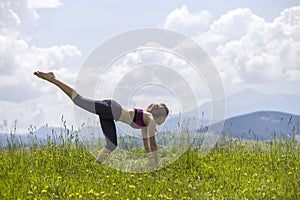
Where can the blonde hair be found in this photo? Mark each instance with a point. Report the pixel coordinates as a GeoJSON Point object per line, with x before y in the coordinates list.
{"type": "Point", "coordinates": [158, 110]}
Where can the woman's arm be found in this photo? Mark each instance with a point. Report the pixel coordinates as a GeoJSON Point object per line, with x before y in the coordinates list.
{"type": "Point", "coordinates": [148, 134]}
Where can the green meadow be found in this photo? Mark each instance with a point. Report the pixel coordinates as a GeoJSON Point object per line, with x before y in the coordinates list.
{"type": "Point", "coordinates": [234, 169]}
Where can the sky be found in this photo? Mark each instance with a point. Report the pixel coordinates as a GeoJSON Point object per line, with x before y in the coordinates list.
{"type": "Point", "coordinates": [253, 44]}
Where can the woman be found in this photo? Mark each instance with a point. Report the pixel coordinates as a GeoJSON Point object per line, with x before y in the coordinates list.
{"type": "Point", "coordinates": [109, 110]}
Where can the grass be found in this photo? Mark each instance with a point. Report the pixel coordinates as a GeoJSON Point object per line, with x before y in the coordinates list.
{"type": "Point", "coordinates": [232, 170]}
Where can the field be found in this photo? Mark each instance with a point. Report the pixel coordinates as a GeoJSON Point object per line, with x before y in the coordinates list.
{"type": "Point", "coordinates": [232, 170]}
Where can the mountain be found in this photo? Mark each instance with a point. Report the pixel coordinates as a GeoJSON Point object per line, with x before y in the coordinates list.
{"type": "Point", "coordinates": [262, 125]}
{"type": "Point", "coordinates": [38, 136]}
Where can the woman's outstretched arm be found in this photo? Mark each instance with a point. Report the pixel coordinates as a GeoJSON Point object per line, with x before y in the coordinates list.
{"type": "Point", "coordinates": [52, 79]}
{"type": "Point", "coordinates": [148, 134]}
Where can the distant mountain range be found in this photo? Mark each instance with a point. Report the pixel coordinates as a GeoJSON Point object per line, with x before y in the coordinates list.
{"type": "Point", "coordinates": [249, 115]}
{"type": "Point", "coordinates": [38, 136]}
{"type": "Point", "coordinates": [262, 125]}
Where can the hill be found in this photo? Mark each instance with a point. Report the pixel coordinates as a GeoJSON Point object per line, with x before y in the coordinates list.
{"type": "Point", "coordinates": [262, 125]}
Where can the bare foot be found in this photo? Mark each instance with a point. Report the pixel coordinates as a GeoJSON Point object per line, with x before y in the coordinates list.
{"type": "Point", "coordinates": [47, 76]}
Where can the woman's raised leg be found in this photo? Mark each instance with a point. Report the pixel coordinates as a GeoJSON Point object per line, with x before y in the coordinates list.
{"type": "Point", "coordinates": [89, 105]}
{"type": "Point", "coordinates": [52, 79]}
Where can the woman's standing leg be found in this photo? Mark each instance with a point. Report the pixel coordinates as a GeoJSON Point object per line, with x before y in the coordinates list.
{"type": "Point", "coordinates": [109, 130]}
{"type": "Point", "coordinates": [103, 154]}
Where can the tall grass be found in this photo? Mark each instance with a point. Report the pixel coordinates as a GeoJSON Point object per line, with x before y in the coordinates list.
{"type": "Point", "coordinates": [62, 168]}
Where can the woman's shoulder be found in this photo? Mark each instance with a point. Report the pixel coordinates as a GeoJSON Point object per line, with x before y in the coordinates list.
{"type": "Point", "coordinates": [148, 117]}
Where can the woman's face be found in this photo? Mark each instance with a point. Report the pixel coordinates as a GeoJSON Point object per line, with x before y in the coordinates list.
{"type": "Point", "coordinates": [161, 120]}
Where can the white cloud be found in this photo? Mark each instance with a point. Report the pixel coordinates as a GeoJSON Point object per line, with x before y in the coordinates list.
{"type": "Point", "coordinates": [36, 4]}
{"type": "Point", "coordinates": [289, 20]}
{"type": "Point", "coordinates": [23, 97]}
{"type": "Point", "coordinates": [18, 59]}
{"type": "Point", "coordinates": [236, 23]}
{"type": "Point", "coordinates": [136, 74]}
{"type": "Point", "coordinates": [248, 51]}
{"type": "Point", "coordinates": [182, 20]}
{"type": "Point", "coordinates": [7, 14]}
{"type": "Point", "coordinates": [293, 75]}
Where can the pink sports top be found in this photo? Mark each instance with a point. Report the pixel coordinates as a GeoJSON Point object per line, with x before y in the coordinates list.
{"type": "Point", "coordinates": [138, 119]}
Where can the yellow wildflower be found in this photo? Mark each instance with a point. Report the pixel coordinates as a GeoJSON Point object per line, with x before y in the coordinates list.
{"type": "Point", "coordinates": [132, 186]}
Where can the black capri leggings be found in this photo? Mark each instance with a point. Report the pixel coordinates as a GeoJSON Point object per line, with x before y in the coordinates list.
{"type": "Point", "coordinates": [108, 111]}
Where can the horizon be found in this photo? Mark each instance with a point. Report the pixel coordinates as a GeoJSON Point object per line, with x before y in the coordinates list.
{"type": "Point", "coordinates": [94, 125]}
{"type": "Point", "coordinates": [256, 126]}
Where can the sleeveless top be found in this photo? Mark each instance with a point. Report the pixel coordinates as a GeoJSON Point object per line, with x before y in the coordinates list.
{"type": "Point", "coordinates": [138, 119]}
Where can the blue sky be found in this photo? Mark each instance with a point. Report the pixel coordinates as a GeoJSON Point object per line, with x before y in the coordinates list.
{"type": "Point", "coordinates": [86, 23]}
{"type": "Point", "coordinates": [254, 44]}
